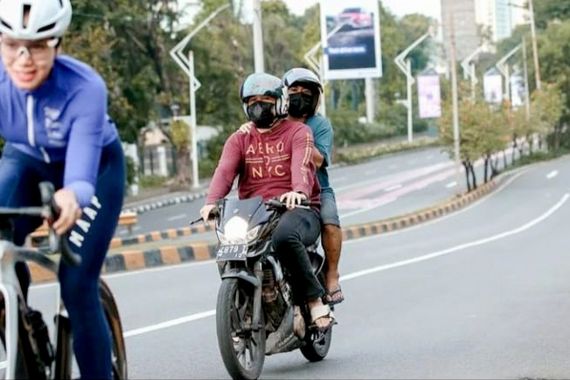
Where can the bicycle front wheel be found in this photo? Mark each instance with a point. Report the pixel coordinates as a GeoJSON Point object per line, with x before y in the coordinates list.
{"type": "Point", "coordinates": [119, 359]}
{"type": "Point", "coordinates": [28, 365]}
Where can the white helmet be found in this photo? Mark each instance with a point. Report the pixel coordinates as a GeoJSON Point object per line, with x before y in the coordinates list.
{"type": "Point", "coordinates": [47, 18]}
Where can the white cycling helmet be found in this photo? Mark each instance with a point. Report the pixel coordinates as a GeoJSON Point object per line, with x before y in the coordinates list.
{"type": "Point", "coordinates": [46, 18]}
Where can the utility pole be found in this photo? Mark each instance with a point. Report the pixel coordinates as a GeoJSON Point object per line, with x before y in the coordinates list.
{"type": "Point", "coordinates": [455, 96]}
{"type": "Point", "coordinates": [534, 46]}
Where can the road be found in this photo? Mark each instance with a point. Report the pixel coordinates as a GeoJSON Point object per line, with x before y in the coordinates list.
{"type": "Point", "coordinates": [381, 188]}
{"type": "Point", "coordinates": [481, 293]}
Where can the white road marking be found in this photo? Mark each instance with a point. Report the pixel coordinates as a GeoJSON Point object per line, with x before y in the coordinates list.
{"type": "Point", "coordinates": [392, 188]}
{"type": "Point", "coordinates": [461, 247]}
{"type": "Point", "coordinates": [451, 184]}
{"type": "Point", "coordinates": [171, 323]}
{"type": "Point", "coordinates": [552, 174]}
{"type": "Point", "coordinates": [177, 217]}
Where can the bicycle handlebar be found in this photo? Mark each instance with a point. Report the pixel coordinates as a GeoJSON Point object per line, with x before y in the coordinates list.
{"type": "Point", "coordinates": [50, 212]}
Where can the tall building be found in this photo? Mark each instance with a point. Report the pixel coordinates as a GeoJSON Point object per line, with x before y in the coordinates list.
{"type": "Point", "coordinates": [497, 17]}
{"type": "Point", "coordinates": [461, 15]}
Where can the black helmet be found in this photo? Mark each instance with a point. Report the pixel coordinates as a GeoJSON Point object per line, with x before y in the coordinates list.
{"type": "Point", "coordinates": [308, 79]}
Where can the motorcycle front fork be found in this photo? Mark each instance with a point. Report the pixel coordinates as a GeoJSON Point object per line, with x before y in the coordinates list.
{"type": "Point", "coordinates": [258, 271]}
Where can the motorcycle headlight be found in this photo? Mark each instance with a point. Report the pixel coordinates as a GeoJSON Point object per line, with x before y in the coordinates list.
{"type": "Point", "coordinates": [235, 232]}
{"type": "Point", "coordinates": [235, 229]}
{"type": "Point", "coordinates": [253, 233]}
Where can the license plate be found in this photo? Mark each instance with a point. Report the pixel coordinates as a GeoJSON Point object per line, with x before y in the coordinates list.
{"type": "Point", "coordinates": [232, 252]}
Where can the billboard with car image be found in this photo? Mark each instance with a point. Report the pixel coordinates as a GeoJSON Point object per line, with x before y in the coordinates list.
{"type": "Point", "coordinates": [350, 35]}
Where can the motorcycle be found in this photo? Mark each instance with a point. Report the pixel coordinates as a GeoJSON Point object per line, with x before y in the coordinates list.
{"type": "Point", "coordinates": [255, 312]}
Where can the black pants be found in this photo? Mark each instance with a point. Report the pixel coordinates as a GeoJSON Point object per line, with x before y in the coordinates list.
{"type": "Point", "coordinates": [90, 238]}
{"type": "Point", "coordinates": [297, 229]}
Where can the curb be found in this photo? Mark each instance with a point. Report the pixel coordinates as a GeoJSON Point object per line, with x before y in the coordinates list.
{"type": "Point", "coordinates": [200, 251]}
{"type": "Point", "coordinates": [168, 202]}
{"type": "Point", "coordinates": [171, 233]}
{"type": "Point", "coordinates": [417, 217]}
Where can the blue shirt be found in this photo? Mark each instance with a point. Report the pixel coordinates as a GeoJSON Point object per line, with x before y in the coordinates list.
{"type": "Point", "coordinates": [65, 119]}
{"type": "Point", "coordinates": [324, 137]}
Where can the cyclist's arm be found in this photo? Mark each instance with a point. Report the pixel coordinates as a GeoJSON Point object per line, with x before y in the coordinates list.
{"type": "Point", "coordinates": [85, 140]}
{"type": "Point", "coordinates": [302, 177]}
{"type": "Point", "coordinates": [227, 170]}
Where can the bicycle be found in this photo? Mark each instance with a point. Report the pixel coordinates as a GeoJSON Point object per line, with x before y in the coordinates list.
{"type": "Point", "coordinates": [23, 333]}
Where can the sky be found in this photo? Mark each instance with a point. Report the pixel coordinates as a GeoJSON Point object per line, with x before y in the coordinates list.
{"type": "Point", "coordinates": [430, 8]}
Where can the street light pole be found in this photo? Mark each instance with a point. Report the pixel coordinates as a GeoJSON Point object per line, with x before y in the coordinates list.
{"type": "Point", "coordinates": [186, 63]}
{"type": "Point", "coordinates": [258, 37]}
{"type": "Point", "coordinates": [318, 65]}
{"type": "Point", "coordinates": [469, 71]}
{"type": "Point", "coordinates": [405, 65]}
{"type": "Point", "coordinates": [503, 67]}
{"type": "Point", "coordinates": [526, 90]}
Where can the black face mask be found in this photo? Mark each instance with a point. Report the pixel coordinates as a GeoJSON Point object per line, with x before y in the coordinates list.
{"type": "Point", "coordinates": [301, 105]}
{"type": "Point", "coordinates": [262, 114]}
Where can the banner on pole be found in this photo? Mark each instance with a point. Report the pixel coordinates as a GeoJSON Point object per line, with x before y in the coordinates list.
{"type": "Point", "coordinates": [429, 95]}
{"type": "Point", "coordinates": [350, 36]}
{"type": "Point", "coordinates": [517, 91]}
{"type": "Point", "coordinates": [493, 87]}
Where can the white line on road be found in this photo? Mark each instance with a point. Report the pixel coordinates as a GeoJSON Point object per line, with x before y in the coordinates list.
{"type": "Point", "coordinates": [392, 188]}
{"type": "Point", "coordinates": [552, 174]}
{"type": "Point", "coordinates": [461, 247]}
{"type": "Point", "coordinates": [451, 184]}
{"type": "Point", "coordinates": [176, 217]}
{"type": "Point", "coordinates": [339, 179]}
{"type": "Point", "coordinates": [171, 323]}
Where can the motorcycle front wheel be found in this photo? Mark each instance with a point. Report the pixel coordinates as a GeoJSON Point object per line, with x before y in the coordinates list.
{"type": "Point", "coordinates": [242, 348]}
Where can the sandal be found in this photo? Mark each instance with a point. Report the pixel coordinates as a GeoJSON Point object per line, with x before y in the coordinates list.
{"type": "Point", "coordinates": [322, 311]}
{"type": "Point", "coordinates": [335, 297]}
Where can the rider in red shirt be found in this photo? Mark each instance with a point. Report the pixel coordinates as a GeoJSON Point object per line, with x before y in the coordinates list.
{"type": "Point", "coordinates": [274, 160]}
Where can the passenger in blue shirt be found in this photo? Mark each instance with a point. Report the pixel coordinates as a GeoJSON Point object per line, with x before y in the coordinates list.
{"type": "Point", "coordinates": [53, 117]}
{"type": "Point", "coordinates": [304, 89]}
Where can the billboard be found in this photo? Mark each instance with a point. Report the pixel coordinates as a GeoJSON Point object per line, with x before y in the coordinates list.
{"type": "Point", "coordinates": [429, 96]}
{"type": "Point", "coordinates": [350, 36]}
{"type": "Point", "coordinates": [493, 87]}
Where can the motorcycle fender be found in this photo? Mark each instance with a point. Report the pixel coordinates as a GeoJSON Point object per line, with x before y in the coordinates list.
{"type": "Point", "coordinates": [242, 275]}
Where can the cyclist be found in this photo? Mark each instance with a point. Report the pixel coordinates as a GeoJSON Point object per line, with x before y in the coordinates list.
{"type": "Point", "coordinates": [53, 117]}
{"type": "Point", "coordinates": [304, 89]}
{"type": "Point", "coordinates": [274, 160]}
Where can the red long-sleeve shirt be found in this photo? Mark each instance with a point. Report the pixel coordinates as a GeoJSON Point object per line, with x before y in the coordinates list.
{"type": "Point", "coordinates": [268, 164]}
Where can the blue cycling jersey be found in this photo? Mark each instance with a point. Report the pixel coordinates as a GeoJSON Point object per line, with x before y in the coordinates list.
{"type": "Point", "coordinates": [65, 119]}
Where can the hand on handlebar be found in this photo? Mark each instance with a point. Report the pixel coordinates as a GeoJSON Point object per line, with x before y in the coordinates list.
{"type": "Point", "coordinates": [69, 210]}
{"type": "Point", "coordinates": [292, 199]}
{"type": "Point", "coordinates": [205, 212]}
